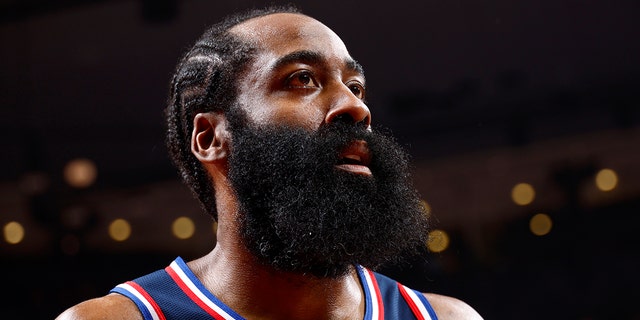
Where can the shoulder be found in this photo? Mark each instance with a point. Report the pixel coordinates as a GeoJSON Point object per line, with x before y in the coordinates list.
{"type": "Point", "coordinates": [112, 306]}
{"type": "Point", "coordinates": [451, 308]}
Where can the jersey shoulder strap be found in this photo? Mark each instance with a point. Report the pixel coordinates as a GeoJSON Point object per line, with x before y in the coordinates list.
{"type": "Point", "coordinates": [174, 293]}
{"type": "Point", "coordinates": [397, 300]}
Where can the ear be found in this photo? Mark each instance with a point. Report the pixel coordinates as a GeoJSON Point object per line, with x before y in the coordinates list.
{"type": "Point", "coordinates": [210, 138]}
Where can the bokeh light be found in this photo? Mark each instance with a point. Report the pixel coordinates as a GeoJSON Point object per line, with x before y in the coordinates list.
{"type": "Point", "coordinates": [540, 224]}
{"type": "Point", "coordinates": [426, 207]}
{"type": "Point", "coordinates": [34, 183]}
{"type": "Point", "coordinates": [119, 230]}
{"type": "Point", "coordinates": [13, 232]}
{"type": "Point", "coordinates": [606, 180]}
{"type": "Point", "coordinates": [80, 173]}
{"type": "Point", "coordinates": [183, 228]}
{"type": "Point", "coordinates": [438, 241]}
{"type": "Point", "coordinates": [523, 194]}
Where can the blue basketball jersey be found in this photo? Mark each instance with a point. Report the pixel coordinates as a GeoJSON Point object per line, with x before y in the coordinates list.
{"type": "Point", "coordinates": [176, 293]}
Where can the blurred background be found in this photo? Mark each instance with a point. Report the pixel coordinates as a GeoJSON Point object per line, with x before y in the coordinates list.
{"type": "Point", "coordinates": [522, 119]}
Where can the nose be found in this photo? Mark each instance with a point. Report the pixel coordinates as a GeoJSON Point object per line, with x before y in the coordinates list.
{"type": "Point", "coordinates": [346, 105]}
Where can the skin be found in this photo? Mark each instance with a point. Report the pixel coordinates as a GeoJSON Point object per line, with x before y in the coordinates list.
{"type": "Point", "coordinates": [316, 83]}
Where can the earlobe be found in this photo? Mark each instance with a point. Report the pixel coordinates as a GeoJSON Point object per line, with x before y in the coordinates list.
{"type": "Point", "coordinates": [209, 139]}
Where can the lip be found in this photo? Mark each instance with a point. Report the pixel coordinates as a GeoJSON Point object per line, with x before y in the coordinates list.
{"type": "Point", "coordinates": [356, 158]}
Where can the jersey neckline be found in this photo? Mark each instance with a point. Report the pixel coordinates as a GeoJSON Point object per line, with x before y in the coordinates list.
{"type": "Point", "coordinates": [196, 291]}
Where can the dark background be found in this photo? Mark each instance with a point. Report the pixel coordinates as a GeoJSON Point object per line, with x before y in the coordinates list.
{"type": "Point", "coordinates": [484, 94]}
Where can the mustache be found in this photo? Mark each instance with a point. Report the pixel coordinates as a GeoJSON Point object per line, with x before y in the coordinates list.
{"type": "Point", "coordinates": [337, 136]}
{"type": "Point", "coordinates": [343, 127]}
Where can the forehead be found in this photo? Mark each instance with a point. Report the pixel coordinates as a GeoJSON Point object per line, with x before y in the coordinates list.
{"type": "Point", "coordinates": [279, 34]}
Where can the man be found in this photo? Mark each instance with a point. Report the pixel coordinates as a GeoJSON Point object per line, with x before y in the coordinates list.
{"type": "Point", "coordinates": [268, 126]}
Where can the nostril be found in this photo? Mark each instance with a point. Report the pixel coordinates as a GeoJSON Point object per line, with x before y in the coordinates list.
{"type": "Point", "coordinates": [364, 122]}
{"type": "Point", "coordinates": [344, 118]}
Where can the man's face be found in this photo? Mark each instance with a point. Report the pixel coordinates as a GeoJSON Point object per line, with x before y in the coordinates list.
{"type": "Point", "coordinates": [302, 76]}
{"type": "Point", "coordinates": [318, 190]}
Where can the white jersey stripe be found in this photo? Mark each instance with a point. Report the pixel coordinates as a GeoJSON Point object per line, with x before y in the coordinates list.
{"type": "Point", "coordinates": [373, 293]}
{"type": "Point", "coordinates": [196, 291]}
{"type": "Point", "coordinates": [416, 300]}
{"type": "Point", "coordinates": [147, 304]}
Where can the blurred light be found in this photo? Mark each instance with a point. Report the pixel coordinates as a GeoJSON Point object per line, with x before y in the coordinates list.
{"type": "Point", "coordinates": [80, 173]}
{"type": "Point", "coordinates": [540, 224]}
{"type": "Point", "coordinates": [438, 241]}
{"type": "Point", "coordinates": [75, 217]}
{"type": "Point", "coordinates": [606, 180]}
{"type": "Point", "coordinates": [34, 183]}
{"type": "Point", "coordinates": [183, 228]}
{"type": "Point", "coordinates": [523, 194]}
{"type": "Point", "coordinates": [215, 227]}
{"type": "Point", "coordinates": [119, 230]}
{"type": "Point", "coordinates": [13, 232]}
{"type": "Point", "coordinates": [426, 207]}
{"type": "Point", "coordinates": [70, 245]}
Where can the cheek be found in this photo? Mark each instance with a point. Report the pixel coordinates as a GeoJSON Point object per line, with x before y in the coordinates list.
{"type": "Point", "coordinates": [302, 114]}
{"type": "Point", "coordinates": [298, 116]}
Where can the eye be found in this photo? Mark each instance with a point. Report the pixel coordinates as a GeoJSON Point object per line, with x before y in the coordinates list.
{"type": "Point", "coordinates": [302, 79]}
{"type": "Point", "coordinates": [357, 89]}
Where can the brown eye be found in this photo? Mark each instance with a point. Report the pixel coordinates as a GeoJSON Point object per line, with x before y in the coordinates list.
{"type": "Point", "coordinates": [302, 79]}
{"type": "Point", "coordinates": [357, 89]}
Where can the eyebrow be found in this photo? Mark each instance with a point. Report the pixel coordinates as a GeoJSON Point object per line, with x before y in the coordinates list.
{"type": "Point", "coordinates": [312, 57]}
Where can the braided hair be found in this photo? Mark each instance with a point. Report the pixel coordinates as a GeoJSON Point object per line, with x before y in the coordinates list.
{"type": "Point", "coordinates": [205, 81]}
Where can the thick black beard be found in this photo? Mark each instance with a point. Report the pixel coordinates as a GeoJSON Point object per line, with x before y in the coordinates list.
{"type": "Point", "coordinates": [301, 214]}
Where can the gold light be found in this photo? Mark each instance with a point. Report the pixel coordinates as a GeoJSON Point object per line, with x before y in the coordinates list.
{"type": "Point", "coordinates": [606, 180]}
{"type": "Point", "coordinates": [426, 207]}
{"type": "Point", "coordinates": [540, 224]}
{"type": "Point", "coordinates": [119, 230]}
{"type": "Point", "coordinates": [438, 241]}
{"type": "Point", "coordinates": [523, 194]}
{"type": "Point", "coordinates": [13, 232]}
{"type": "Point", "coordinates": [183, 228]}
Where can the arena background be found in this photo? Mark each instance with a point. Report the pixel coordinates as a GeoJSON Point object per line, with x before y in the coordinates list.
{"type": "Point", "coordinates": [510, 110]}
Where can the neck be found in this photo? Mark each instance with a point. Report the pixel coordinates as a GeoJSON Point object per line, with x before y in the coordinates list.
{"type": "Point", "coordinates": [259, 292]}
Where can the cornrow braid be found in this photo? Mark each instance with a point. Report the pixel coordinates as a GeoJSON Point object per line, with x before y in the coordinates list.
{"type": "Point", "coordinates": [205, 81]}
